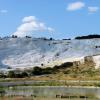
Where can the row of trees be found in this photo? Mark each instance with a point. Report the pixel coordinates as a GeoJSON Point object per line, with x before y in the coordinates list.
{"type": "Point", "coordinates": [36, 71]}
{"type": "Point", "coordinates": [88, 37]}
{"type": "Point", "coordinates": [78, 37]}
{"type": "Point", "coordinates": [13, 74]}
{"type": "Point", "coordinates": [15, 36]}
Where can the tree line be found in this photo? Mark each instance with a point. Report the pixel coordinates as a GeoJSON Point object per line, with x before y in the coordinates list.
{"type": "Point", "coordinates": [36, 71]}
{"type": "Point", "coordinates": [88, 37]}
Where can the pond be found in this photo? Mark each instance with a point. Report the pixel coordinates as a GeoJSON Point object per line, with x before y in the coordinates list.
{"type": "Point", "coordinates": [49, 93]}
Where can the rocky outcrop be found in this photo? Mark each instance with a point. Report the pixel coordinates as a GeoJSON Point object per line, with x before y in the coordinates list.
{"type": "Point", "coordinates": [88, 59]}
{"type": "Point", "coordinates": [96, 60]}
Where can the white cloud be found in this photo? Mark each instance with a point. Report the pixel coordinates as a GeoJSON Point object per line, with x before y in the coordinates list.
{"type": "Point", "coordinates": [29, 19]}
{"type": "Point", "coordinates": [93, 9]}
{"type": "Point", "coordinates": [50, 29]}
{"type": "Point", "coordinates": [29, 25]}
{"type": "Point", "coordinates": [3, 11]}
{"type": "Point", "coordinates": [75, 6]}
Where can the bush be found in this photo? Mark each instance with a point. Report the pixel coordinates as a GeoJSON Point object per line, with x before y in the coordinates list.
{"type": "Point", "coordinates": [37, 71]}
{"type": "Point", "coordinates": [64, 65]}
{"type": "Point", "coordinates": [2, 75]}
{"type": "Point", "coordinates": [24, 74]}
{"type": "Point", "coordinates": [51, 38]}
{"type": "Point", "coordinates": [47, 70]}
{"type": "Point", "coordinates": [9, 68]}
{"type": "Point", "coordinates": [11, 74]}
{"type": "Point", "coordinates": [14, 36]}
{"type": "Point", "coordinates": [18, 75]}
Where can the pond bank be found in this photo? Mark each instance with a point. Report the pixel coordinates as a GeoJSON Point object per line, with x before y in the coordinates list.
{"type": "Point", "coordinates": [51, 83]}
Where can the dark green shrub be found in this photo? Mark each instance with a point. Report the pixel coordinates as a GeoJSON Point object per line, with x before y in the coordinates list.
{"type": "Point", "coordinates": [47, 70]}
{"type": "Point", "coordinates": [88, 36]}
{"type": "Point", "coordinates": [37, 71]}
{"type": "Point", "coordinates": [11, 74]}
{"type": "Point", "coordinates": [2, 75]}
{"type": "Point", "coordinates": [64, 65]}
{"type": "Point", "coordinates": [19, 75]}
{"type": "Point", "coordinates": [24, 74]}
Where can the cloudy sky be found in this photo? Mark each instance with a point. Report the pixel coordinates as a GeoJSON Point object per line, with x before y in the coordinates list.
{"type": "Point", "coordinates": [49, 18]}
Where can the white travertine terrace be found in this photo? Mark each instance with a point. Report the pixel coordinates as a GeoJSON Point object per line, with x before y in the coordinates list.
{"type": "Point", "coordinates": [30, 52]}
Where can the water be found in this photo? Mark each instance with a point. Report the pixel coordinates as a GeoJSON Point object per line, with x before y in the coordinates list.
{"type": "Point", "coordinates": [50, 93]}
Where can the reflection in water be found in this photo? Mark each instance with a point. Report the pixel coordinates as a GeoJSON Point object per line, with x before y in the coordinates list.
{"type": "Point", "coordinates": [49, 93]}
{"type": "Point", "coordinates": [41, 98]}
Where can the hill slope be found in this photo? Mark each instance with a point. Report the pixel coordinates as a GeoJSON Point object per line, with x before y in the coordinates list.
{"type": "Point", "coordinates": [30, 52]}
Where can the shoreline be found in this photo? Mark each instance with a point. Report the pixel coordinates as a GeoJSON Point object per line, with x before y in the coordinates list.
{"type": "Point", "coordinates": [55, 83]}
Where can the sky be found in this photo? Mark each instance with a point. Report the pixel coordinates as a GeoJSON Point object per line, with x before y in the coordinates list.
{"type": "Point", "coordinates": [49, 18]}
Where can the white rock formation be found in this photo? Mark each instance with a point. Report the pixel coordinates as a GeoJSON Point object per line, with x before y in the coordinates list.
{"type": "Point", "coordinates": [30, 52]}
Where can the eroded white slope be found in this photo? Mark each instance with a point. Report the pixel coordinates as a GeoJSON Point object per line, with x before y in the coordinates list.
{"type": "Point", "coordinates": [30, 52]}
{"type": "Point", "coordinates": [96, 60]}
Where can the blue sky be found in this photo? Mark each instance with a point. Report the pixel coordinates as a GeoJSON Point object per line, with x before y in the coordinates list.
{"type": "Point", "coordinates": [49, 18]}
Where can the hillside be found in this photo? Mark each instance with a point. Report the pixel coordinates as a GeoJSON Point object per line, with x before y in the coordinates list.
{"type": "Point", "coordinates": [30, 52]}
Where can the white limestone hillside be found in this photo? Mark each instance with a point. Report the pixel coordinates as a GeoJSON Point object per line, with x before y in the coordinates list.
{"type": "Point", "coordinates": [96, 60]}
{"type": "Point", "coordinates": [30, 52]}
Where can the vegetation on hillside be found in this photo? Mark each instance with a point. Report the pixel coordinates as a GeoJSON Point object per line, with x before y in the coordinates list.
{"type": "Point", "coordinates": [64, 71]}
{"type": "Point", "coordinates": [88, 37]}
{"type": "Point", "coordinates": [36, 71]}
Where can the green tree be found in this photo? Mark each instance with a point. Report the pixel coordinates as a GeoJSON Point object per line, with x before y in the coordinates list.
{"type": "Point", "coordinates": [11, 74]}
{"type": "Point", "coordinates": [37, 71]}
{"type": "Point", "coordinates": [24, 74]}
